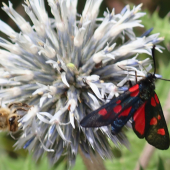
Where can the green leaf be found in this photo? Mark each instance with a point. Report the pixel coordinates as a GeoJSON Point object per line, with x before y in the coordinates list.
{"type": "Point", "coordinates": [161, 25]}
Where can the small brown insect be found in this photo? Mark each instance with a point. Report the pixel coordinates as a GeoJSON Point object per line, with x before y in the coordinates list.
{"type": "Point", "coordinates": [9, 116]}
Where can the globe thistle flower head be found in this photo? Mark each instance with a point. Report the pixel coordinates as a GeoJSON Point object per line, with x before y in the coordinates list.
{"type": "Point", "coordinates": [65, 68]}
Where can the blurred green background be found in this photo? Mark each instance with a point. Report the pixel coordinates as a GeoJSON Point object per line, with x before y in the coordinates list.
{"type": "Point", "coordinates": [157, 17]}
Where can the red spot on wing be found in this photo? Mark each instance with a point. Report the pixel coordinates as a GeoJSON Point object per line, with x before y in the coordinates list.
{"type": "Point", "coordinates": [156, 98]}
{"type": "Point", "coordinates": [153, 103]}
{"type": "Point", "coordinates": [161, 132]}
{"type": "Point", "coordinates": [139, 119]}
{"type": "Point", "coordinates": [102, 112]}
{"type": "Point", "coordinates": [159, 117]}
{"type": "Point", "coordinates": [135, 93]}
{"type": "Point", "coordinates": [153, 121]}
{"type": "Point", "coordinates": [117, 108]}
{"type": "Point", "coordinates": [134, 90]}
{"type": "Point", "coordinates": [118, 102]}
{"type": "Point", "coordinates": [125, 112]}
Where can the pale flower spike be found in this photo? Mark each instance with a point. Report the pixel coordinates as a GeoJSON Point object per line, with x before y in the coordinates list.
{"type": "Point", "coordinates": [64, 68]}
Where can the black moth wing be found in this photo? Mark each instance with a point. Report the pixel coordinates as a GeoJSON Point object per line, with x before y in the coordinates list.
{"type": "Point", "coordinates": [156, 131]}
{"type": "Point", "coordinates": [149, 122]}
{"type": "Point", "coordinates": [95, 119]}
{"type": "Point", "coordinates": [105, 115]}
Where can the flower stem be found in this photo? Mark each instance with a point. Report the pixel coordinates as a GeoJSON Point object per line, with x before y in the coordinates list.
{"type": "Point", "coordinates": [95, 162]}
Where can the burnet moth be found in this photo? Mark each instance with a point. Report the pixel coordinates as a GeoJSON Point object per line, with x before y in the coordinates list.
{"type": "Point", "coordinates": [139, 103]}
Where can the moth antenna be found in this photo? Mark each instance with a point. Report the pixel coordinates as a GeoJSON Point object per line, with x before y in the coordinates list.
{"type": "Point", "coordinates": [163, 79]}
{"type": "Point", "coordinates": [153, 55]}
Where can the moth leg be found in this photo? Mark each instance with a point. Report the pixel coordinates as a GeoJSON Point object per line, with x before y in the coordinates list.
{"type": "Point", "coordinates": [136, 76]}
{"type": "Point", "coordinates": [129, 82]}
